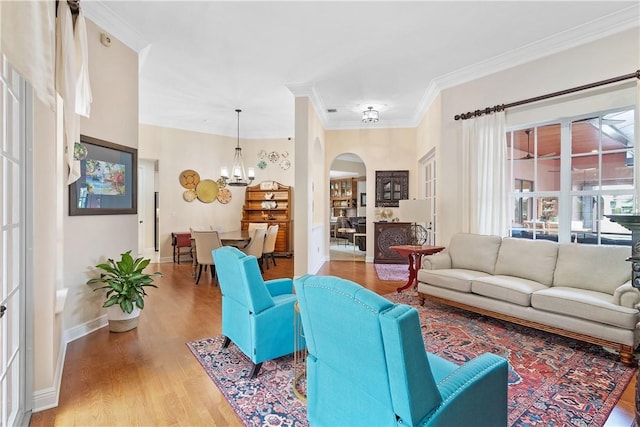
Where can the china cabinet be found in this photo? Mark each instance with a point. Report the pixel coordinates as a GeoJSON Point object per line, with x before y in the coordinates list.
{"type": "Point", "coordinates": [270, 202]}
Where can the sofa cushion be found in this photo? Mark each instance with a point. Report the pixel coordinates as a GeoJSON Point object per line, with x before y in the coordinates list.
{"type": "Point", "coordinates": [474, 252]}
{"type": "Point", "coordinates": [529, 259]}
{"type": "Point", "coordinates": [454, 279]}
{"type": "Point", "coordinates": [595, 268]}
{"type": "Point", "coordinates": [585, 304]}
{"type": "Point", "coordinates": [506, 288]}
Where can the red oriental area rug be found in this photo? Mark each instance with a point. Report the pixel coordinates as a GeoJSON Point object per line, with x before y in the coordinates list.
{"type": "Point", "coordinates": [552, 380]}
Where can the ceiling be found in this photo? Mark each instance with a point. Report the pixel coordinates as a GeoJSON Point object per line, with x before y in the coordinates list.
{"type": "Point", "coordinates": [201, 60]}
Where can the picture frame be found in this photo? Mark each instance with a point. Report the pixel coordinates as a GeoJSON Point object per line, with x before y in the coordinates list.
{"type": "Point", "coordinates": [363, 199]}
{"type": "Point", "coordinates": [108, 180]}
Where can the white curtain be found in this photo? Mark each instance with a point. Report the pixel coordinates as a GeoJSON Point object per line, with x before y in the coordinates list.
{"type": "Point", "coordinates": [72, 80]}
{"type": "Point", "coordinates": [27, 40]}
{"type": "Point", "coordinates": [484, 172]}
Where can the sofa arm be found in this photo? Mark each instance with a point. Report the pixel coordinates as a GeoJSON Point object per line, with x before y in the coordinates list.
{"type": "Point", "coordinates": [474, 394]}
{"type": "Point", "coordinates": [279, 286]}
{"type": "Point", "coordinates": [439, 261]}
{"type": "Point", "coordinates": [626, 295]}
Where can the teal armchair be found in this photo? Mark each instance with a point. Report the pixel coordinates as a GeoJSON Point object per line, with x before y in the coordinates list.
{"type": "Point", "coordinates": [257, 315]}
{"type": "Point", "coordinates": [367, 365]}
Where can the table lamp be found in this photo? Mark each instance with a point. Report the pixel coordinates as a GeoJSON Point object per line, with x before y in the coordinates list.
{"type": "Point", "coordinates": [416, 211]}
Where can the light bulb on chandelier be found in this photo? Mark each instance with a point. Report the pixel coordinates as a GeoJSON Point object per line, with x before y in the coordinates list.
{"type": "Point", "coordinates": [239, 176]}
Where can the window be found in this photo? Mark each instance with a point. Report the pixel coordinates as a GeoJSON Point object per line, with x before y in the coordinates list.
{"type": "Point", "coordinates": [568, 176]}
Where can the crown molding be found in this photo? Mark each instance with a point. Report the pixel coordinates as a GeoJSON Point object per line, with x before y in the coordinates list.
{"type": "Point", "coordinates": [614, 23]}
{"type": "Point", "coordinates": [98, 12]}
{"type": "Point", "coordinates": [309, 90]}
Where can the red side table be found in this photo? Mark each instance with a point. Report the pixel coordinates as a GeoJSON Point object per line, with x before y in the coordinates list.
{"type": "Point", "coordinates": [414, 253]}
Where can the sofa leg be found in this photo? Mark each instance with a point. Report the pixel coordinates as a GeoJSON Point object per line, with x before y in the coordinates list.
{"type": "Point", "coordinates": [420, 299]}
{"type": "Point", "coordinates": [626, 355]}
{"type": "Point", "coordinates": [226, 342]}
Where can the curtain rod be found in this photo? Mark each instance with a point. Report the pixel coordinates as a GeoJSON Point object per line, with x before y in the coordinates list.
{"type": "Point", "coordinates": [502, 107]}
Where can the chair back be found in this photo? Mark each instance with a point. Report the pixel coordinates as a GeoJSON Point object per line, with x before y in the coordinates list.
{"type": "Point", "coordinates": [206, 241]}
{"type": "Point", "coordinates": [255, 225]}
{"type": "Point", "coordinates": [270, 239]}
{"type": "Point", "coordinates": [240, 279]}
{"type": "Point", "coordinates": [256, 245]}
{"type": "Point", "coordinates": [362, 345]}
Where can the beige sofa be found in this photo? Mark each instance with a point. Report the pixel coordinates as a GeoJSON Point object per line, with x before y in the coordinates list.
{"type": "Point", "coordinates": [580, 291]}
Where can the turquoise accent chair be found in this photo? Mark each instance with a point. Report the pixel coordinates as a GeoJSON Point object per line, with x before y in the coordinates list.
{"type": "Point", "coordinates": [367, 365]}
{"type": "Point", "coordinates": [257, 315]}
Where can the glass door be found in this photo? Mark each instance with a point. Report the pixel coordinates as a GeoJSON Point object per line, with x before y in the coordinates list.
{"type": "Point", "coordinates": [12, 244]}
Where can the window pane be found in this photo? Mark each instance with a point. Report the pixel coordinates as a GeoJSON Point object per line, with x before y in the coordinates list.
{"type": "Point", "coordinates": [585, 136]}
{"type": "Point", "coordinates": [615, 170]}
{"type": "Point", "coordinates": [548, 174]}
{"type": "Point", "coordinates": [584, 173]}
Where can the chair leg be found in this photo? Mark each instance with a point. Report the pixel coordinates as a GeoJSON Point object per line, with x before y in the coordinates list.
{"type": "Point", "coordinates": [260, 262]}
{"type": "Point", "coordinates": [255, 370]}
{"type": "Point", "coordinates": [199, 273]}
{"type": "Point", "coordinates": [273, 258]}
{"type": "Point", "coordinates": [226, 342]}
{"type": "Point", "coordinates": [214, 273]}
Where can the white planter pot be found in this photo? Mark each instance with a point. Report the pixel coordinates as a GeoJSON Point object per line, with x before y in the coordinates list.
{"type": "Point", "coordinates": [119, 321]}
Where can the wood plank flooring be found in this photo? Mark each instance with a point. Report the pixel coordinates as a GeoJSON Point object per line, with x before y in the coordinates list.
{"type": "Point", "coordinates": [148, 377]}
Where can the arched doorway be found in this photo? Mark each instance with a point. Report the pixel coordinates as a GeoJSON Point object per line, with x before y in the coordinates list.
{"type": "Point", "coordinates": [347, 206]}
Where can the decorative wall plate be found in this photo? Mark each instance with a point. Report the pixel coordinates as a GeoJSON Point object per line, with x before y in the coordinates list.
{"type": "Point", "coordinates": [207, 190]}
{"type": "Point", "coordinates": [285, 154]}
{"type": "Point", "coordinates": [273, 157]}
{"type": "Point", "coordinates": [221, 183]}
{"type": "Point", "coordinates": [189, 195]}
{"type": "Point", "coordinates": [285, 164]}
{"type": "Point", "coordinates": [224, 196]}
{"type": "Point", "coordinates": [268, 196]}
{"type": "Point", "coordinates": [269, 205]}
{"type": "Point", "coordinates": [189, 179]}
{"type": "Point", "coordinates": [262, 164]}
{"type": "Point", "coordinates": [262, 154]}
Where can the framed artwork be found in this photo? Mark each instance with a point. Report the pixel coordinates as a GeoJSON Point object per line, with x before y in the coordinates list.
{"type": "Point", "coordinates": [363, 199]}
{"type": "Point", "coordinates": [108, 179]}
{"type": "Point", "coordinates": [391, 187]}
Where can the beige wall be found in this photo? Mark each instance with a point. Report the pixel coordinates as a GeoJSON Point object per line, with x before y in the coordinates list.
{"type": "Point", "coordinates": [310, 188]}
{"type": "Point", "coordinates": [609, 57]}
{"type": "Point", "coordinates": [379, 149]}
{"type": "Point", "coordinates": [177, 150]}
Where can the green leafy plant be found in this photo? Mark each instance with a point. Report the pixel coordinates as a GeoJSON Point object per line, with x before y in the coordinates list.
{"type": "Point", "coordinates": [125, 281]}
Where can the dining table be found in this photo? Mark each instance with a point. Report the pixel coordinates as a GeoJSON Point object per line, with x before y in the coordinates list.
{"type": "Point", "coordinates": [237, 238]}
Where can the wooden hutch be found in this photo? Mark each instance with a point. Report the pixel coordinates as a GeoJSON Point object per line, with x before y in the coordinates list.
{"type": "Point", "coordinates": [344, 197]}
{"type": "Point", "coordinates": [270, 202]}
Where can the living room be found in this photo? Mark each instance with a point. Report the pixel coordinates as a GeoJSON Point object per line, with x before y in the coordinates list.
{"type": "Point", "coordinates": [64, 254]}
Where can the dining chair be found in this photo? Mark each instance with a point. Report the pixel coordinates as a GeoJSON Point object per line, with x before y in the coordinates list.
{"type": "Point", "coordinates": [256, 246]}
{"type": "Point", "coordinates": [254, 225]}
{"type": "Point", "coordinates": [205, 242]}
{"type": "Point", "coordinates": [270, 245]}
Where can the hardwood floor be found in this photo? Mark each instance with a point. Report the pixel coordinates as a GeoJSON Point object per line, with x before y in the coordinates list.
{"type": "Point", "coordinates": [148, 377]}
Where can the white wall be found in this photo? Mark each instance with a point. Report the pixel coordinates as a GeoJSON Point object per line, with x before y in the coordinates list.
{"type": "Point", "coordinates": [91, 239]}
{"type": "Point", "coordinates": [603, 59]}
{"type": "Point", "coordinates": [177, 150]}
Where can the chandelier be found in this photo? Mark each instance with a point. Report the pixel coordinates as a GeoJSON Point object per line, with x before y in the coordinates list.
{"type": "Point", "coordinates": [240, 177]}
{"type": "Point", "coordinates": [370, 115]}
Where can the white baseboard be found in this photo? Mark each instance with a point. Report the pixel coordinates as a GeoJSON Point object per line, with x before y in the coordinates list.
{"type": "Point", "coordinates": [48, 398]}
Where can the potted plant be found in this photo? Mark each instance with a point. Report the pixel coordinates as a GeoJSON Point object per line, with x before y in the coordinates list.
{"type": "Point", "coordinates": [125, 282]}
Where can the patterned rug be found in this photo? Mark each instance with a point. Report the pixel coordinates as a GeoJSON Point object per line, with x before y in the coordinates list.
{"type": "Point", "coordinates": [392, 272]}
{"type": "Point", "coordinates": [552, 380]}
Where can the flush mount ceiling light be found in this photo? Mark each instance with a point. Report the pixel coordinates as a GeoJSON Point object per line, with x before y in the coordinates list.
{"type": "Point", "coordinates": [240, 178]}
{"type": "Point", "coordinates": [370, 115]}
